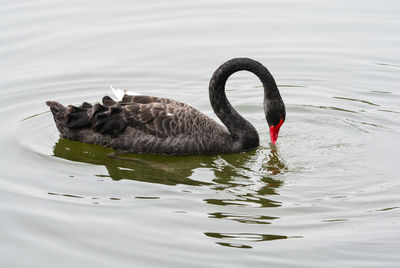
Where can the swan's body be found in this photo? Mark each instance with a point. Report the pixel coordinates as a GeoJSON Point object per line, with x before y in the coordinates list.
{"type": "Point", "coordinates": [144, 124]}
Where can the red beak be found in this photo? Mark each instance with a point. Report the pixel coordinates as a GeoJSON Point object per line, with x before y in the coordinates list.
{"type": "Point", "coordinates": [274, 131]}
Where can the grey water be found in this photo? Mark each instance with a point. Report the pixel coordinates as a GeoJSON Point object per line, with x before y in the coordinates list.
{"type": "Point", "coordinates": [326, 196]}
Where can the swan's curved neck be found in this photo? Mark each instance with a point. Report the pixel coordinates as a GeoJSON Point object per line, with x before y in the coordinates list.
{"type": "Point", "coordinates": [241, 130]}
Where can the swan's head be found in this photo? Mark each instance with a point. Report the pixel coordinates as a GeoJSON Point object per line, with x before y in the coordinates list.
{"type": "Point", "coordinates": [275, 114]}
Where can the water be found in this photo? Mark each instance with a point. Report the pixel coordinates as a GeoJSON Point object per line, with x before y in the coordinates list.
{"type": "Point", "coordinates": [326, 197]}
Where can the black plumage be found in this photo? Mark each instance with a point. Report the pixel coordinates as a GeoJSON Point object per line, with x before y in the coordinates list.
{"type": "Point", "coordinates": [145, 124]}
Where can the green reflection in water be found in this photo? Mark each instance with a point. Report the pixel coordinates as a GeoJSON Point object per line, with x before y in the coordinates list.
{"type": "Point", "coordinates": [146, 168]}
{"type": "Point", "coordinates": [243, 201]}
{"type": "Point", "coordinates": [66, 195]}
{"type": "Point", "coordinates": [245, 237]}
{"type": "Point", "coordinates": [247, 192]}
{"type": "Point", "coordinates": [389, 111]}
{"type": "Point", "coordinates": [246, 177]}
{"type": "Point", "coordinates": [263, 165]}
{"type": "Point", "coordinates": [250, 219]}
{"type": "Point", "coordinates": [172, 170]}
{"type": "Point", "coordinates": [233, 245]}
{"type": "Point", "coordinates": [335, 220]}
{"type": "Point", "coordinates": [274, 165]}
{"type": "Point", "coordinates": [247, 180]}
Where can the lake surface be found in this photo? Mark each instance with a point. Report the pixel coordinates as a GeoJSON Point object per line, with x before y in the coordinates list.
{"type": "Point", "coordinates": [326, 196]}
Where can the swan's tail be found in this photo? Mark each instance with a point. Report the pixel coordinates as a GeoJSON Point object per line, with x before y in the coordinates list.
{"type": "Point", "coordinates": [119, 93]}
{"type": "Point", "coordinates": [59, 114]}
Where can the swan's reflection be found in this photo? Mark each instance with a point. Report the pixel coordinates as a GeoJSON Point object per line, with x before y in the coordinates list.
{"type": "Point", "coordinates": [274, 164]}
{"type": "Point", "coordinates": [250, 237]}
{"type": "Point", "coordinates": [247, 179]}
{"type": "Point", "coordinates": [146, 168]}
{"type": "Point", "coordinates": [227, 170]}
{"type": "Point", "coordinates": [256, 191]}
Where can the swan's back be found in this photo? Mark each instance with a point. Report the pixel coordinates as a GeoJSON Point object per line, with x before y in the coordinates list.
{"type": "Point", "coordinates": [142, 124]}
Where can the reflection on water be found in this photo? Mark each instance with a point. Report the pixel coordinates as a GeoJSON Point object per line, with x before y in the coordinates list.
{"type": "Point", "coordinates": [274, 164]}
{"type": "Point", "coordinates": [247, 179]}
{"type": "Point", "coordinates": [386, 64]}
{"type": "Point", "coordinates": [66, 195]}
{"type": "Point", "coordinates": [79, 197]}
{"type": "Point", "coordinates": [145, 168]}
{"type": "Point", "coordinates": [177, 169]}
{"type": "Point", "coordinates": [331, 108]}
{"type": "Point", "coordinates": [245, 237]}
{"type": "Point", "coordinates": [351, 99]}
{"type": "Point", "coordinates": [250, 219]}
{"type": "Point", "coordinates": [389, 111]}
{"type": "Point", "coordinates": [249, 192]}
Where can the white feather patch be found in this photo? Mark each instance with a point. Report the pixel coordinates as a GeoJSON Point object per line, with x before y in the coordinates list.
{"type": "Point", "coordinates": [119, 93]}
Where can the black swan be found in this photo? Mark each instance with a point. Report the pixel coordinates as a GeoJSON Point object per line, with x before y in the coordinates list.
{"type": "Point", "coordinates": [144, 124]}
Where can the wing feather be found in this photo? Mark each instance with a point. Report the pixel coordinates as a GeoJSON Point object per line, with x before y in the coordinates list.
{"type": "Point", "coordinates": [159, 117]}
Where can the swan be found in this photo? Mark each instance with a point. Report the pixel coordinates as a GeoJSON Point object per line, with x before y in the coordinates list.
{"type": "Point", "coordinates": [152, 125]}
